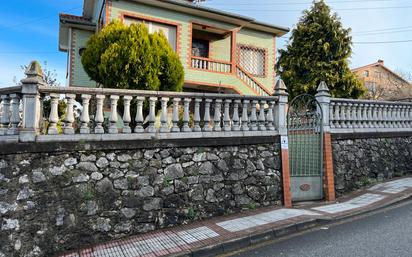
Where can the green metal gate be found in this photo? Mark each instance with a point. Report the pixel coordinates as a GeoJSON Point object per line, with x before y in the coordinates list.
{"type": "Point", "coordinates": [305, 136]}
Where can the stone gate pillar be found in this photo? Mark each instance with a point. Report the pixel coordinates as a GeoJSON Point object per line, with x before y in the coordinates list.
{"type": "Point", "coordinates": [280, 114]}
{"type": "Point", "coordinates": [323, 97]}
{"type": "Point", "coordinates": [31, 102]}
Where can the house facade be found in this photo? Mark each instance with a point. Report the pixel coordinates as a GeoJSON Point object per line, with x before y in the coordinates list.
{"type": "Point", "coordinates": [382, 83]}
{"type": "Point", "coordinates": [220, 51]}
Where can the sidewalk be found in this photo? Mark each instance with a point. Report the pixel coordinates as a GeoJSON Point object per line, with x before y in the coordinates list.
{"type": "Point", "coordinates": [225, 234]}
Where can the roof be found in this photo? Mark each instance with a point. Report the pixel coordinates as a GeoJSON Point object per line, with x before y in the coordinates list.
{"type": "Point", "coordinates": [68, 21]}
{"type": "Point", "coordinates": [380, 63]}
{"type": "Point", "coordinates": [203, 11]}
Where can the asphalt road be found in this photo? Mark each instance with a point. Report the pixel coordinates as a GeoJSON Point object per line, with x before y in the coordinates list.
{"type": "Point", "coordinates": [386, 234]}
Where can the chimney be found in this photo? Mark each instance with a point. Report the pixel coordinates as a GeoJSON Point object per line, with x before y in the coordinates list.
{"type": "Point", "coordinates": [381, 62]}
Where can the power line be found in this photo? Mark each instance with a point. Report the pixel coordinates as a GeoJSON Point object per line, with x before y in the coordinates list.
{"type": "Point", "coordinates": [384, 42]}
{"type": "Point", "coordinates": [381, 33]}
{"type": "Point", "coordinates": [301, 3]}
{"type": "Point", "coordinates": [338, 9]}
{"type": "Point", "coordinates": [37, 19]}
{"type": "Point", "coordinates": [377, 30]}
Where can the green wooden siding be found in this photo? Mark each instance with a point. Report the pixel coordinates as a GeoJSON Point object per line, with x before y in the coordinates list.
{"type": "Point", "coordinates": [220, 49]}
{"type": "Point", "coordinates": [80, 77]}
{"type": "Point", "coordinates": [265, 41]}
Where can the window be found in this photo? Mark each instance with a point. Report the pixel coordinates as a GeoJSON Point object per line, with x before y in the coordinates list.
{"type": "Point", "coordinates": [200, 48]}
{"type": "Point", "coordinates": [168, 30]}
{"type": "Point", "coordinates": [366, 73]}
{"type": "Point", "coordinates": [252, 60]}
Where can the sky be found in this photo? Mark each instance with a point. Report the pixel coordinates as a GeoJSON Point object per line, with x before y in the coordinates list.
{"type": "Point", "coordinates": [29, 30]}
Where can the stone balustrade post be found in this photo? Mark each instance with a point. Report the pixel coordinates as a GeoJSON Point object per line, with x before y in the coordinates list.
{"type": "Point", "coordinates": [85, 116]}
{"type": "Point", "coordinates": [206, 117]}
{"type": "Point", "coordinates": [5, 116]}
{"type": "Point", "coordinates": [281, 107]}
{"type": "Point", "coordinates": [217, 115]}
{"type": "Point", "coordinates": [15, 114]}
{"type": "Point", "coordinates": [235, 118]}
{"type": "Point", "coordinates": [269, 116]}
{"type": "Point", "coordinates": [323, 97]}
{"type": "Point", "coordinates": [175, 115]}
{"type": "Point", "coordinates": [164, 126]}
{"type": "Point", "coordinates": [226, 116]}
{"type": "Point", "coordinates": [126, 114]}
{"type": "Point", "coordinates": [253, 116]}
{"type": "Point", "coordinates": [54, 114]}
{"type": "Point", "coordinates": [186, 115]}
{"type": "Point", "coordinates": [99, 118]}
{"type": "Point", "coordinates": [32, 111]}
{"type": "Point", "coordinates": [245, 118]}
{"type": "Point", "coordinates": [139, 115]}
{"type": "Point", "coordinates": [69, 119]}
{"type": "Point", "coordinates": [152, 115]}
{"type": "Point", "coordinates": [113, 114]}
{"type": "Point", "coordinates": [262, 118]}
{"type": "Point", "coordinates": [196, 118]}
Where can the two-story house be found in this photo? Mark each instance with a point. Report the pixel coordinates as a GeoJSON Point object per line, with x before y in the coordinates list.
{"type": "Point", "coordinates": [220, 51]}
{"type": "Point", "coordinates": [382, 83]}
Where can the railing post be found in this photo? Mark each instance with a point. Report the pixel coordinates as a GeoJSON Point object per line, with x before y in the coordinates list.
{"type": "Point", "coordinates": [281, 107]}
{"type": "Point", "coordinates": [280, 114]}
{"type": "Point", "coordinates": [323, 97]}
{"type": "Point", "coordinates": [5, 116]}
{"type": "Point", "coordinates": [139, 115]}
{"type": "Point", "coordinates": [68, 126]}
{"type": "Point", "coordinates": [31, 102]}
{"type": "Point", "coordinates": [164, 126]}
{"type": "Point", "coordinates": [15, 115]}
{"type": "Point", "coordinates": [85, 117]}
{"type": "Point", "coordinates": [126, 114]}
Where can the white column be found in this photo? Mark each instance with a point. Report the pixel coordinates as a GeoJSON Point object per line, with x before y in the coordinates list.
{"type": "Point", "coordinates": [196, 118]}
{"type": "Point", "coordinates": [54, 114]}
{"type": "Point", "coordinates": [5, 115]}
{"type": "Point", "coordinates": [15, 114]}
{"type": "Point", "coordinates": [343, 115]}
{"type": "Point", "coordinates": [253, 118]}
{"type": "Point", "coordinates": [235, 118]}
{"type": "Point", "coordinates": [175, 118]}
{"type": "Point", "coordinates": [152, 115]}
{"type": "Point", "coordinates": [126, 114]}
{"type": "Point", "coordinates": [186, 115]}
{"type": "Point", "coordinates": [217, 116]}
{"type": "Point", "coordinates": [164, 127]}
{"type": "Point", "coordinates": [338, 122]}
{"type": "Point", "coordinates": [99, 118]}
{"type": "Point", "coordinates": [269, 116]}
{"type": "Point", "coordinates": [262, 118]}
{"type": "Point", "coordinates": [245, 118]}
{"type": "Point", "coordinates": [139, 115]}
{"type": "Point", "coordinates": [206, 118]}
{"type": "Point", "coordinates": [226, 116]}
{"type": "Point", "coordinates": [331, 117]}
{"type": "Point", "coordinates": [85, 117]}
{"type": "Point", "coordinates": [69, 119]}
{"type": "Point", "coordinates": [113, 114]}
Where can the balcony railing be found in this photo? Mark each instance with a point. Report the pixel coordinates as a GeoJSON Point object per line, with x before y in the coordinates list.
{"type": "Point", "coordinates": [251, 82]}
{"type": "Point", "coordinates": [211, 65]}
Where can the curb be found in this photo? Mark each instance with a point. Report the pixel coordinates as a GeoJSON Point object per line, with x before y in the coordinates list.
{"type": "Point", "coordinates": [278, 232]}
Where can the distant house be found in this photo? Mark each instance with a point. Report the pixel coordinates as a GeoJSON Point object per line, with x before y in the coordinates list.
{"type": "Point", "coordinates": [220, 51]}
{"type": "Point", "coordinates": [381, 82]}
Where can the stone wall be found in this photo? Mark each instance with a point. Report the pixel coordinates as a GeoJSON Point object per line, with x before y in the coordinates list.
{"type": "Point", "coordinates": [55, 201]}
{"type": "Point", "coordinates": [360, 162]}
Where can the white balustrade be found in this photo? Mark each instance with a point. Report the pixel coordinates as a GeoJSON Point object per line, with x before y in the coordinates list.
{"type": "Point", "coordinates": [370, 116]}
{"type": "Point", "coordinates": [211, 65]}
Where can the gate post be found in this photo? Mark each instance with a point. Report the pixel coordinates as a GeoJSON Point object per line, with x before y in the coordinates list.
{"type": "Point", "coordinates": [280, 114]}
{"type": "Point", "coordinates": [323, 97]}
{"type": "Point", "coordinates": [31, 102]}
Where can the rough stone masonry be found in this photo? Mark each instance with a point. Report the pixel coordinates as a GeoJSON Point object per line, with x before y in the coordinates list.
{"type": "Point", "coordinates": [56, 201]}
{"type": "Point", "coordinates": [360, 162]}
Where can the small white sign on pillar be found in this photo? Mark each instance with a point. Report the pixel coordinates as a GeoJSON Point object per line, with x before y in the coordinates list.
{"type": "Point", "coordinates": [284, 142]}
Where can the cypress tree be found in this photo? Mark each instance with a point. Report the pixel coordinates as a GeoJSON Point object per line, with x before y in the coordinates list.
{"type": "Point", "coordinates": [318, 50]}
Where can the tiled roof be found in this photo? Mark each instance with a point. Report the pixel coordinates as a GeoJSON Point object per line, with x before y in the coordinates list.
{"type": "Point", "coordinates": [64, 17]}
